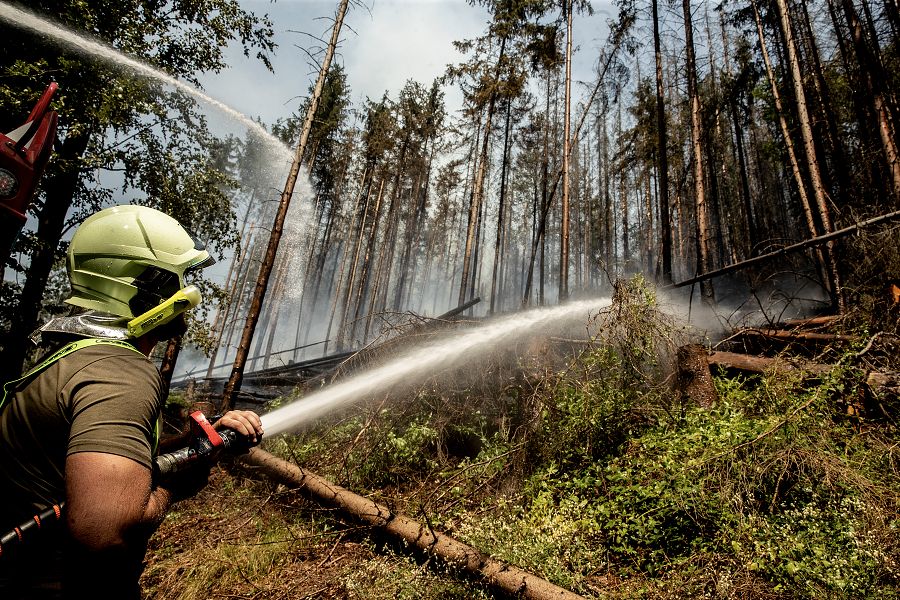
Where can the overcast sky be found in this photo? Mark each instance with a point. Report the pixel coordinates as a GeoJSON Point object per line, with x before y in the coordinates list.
{"type": "Point", "coordinates": [381, 48]}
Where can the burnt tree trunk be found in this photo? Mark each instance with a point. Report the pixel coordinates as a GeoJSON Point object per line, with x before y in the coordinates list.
{"type": "Point", "coordinates": [237, 372]}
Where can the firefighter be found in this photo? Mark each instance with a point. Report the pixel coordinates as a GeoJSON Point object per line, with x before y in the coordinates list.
{"type": "Point", "coordinates": [83, 426]}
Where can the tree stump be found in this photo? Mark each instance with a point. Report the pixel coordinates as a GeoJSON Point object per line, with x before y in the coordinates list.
{"type": "Point", "coordinates": [695, 382]}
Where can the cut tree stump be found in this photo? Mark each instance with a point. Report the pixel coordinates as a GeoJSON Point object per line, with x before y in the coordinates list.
{"type": "Point", "coordinates": [501, 576]}
{"type": "Point", "coordinates": [695, 381]}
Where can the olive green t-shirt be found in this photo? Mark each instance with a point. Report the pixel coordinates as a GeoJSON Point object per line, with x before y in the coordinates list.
{"type": "Point", "coordinates": [100, 398]}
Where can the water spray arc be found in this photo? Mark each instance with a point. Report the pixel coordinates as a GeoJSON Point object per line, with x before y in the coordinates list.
{"type": "Point", "coordinates": [23, 19]}
{"type": "Point", "coordinates": [420, 363]}
{"type": "Point", "coordinates": [277, 155]}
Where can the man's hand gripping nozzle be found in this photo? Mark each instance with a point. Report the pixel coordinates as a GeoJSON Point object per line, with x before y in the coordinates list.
{"type": "Point", "coordinates": [206, 447]}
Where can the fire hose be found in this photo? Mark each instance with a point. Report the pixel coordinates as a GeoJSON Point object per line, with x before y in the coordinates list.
{"type": "Point", "coordinates": [30, 528]}
{"type": "Point", "coordinates": [207, 446]}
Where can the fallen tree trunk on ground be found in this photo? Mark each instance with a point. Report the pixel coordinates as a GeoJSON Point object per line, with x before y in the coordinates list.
{"type": "Point", "coordinates": [882, 389]}
{"type": "Point", "coordinates": [506, 578]}
{"type": "Point", "coordinates": [876, 381]}
{"type": "Point", "coordinates": [761, 364]}
{"type": "Point", "coordinates": [798, 336]}
{"type": "Point", "coordinates": [889, 381]}
{"type": "Point", "coordinates": [813, 321]}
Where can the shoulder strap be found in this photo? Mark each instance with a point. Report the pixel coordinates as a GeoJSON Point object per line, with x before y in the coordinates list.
{"type": "Point", "coordinates": [64, 351]}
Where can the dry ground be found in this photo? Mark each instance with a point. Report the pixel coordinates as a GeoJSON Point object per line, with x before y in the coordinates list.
{"type": "Point", "coordinates": [242, 539]}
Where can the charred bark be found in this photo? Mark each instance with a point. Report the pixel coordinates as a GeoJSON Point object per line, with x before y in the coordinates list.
{"type": "Point", "coordinates": [695, 383]}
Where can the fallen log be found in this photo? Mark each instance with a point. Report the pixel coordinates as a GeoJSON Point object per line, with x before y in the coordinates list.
{"type": "Point", "coordinates": [882, 389]}
{"type": "Point", "coordinates": [813, 321]}
{"type": "Point", "coordinates": [762, 364]}
{"type": "Point", "coordinates": [503, 577]}
{"type": "Point", "coordinates": [798, 336]}
{"type": "Point", "coordinates": [876, 381]}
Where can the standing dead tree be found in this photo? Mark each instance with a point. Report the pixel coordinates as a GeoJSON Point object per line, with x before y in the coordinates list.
{"type": "Point", "coordinates": [265, 271]}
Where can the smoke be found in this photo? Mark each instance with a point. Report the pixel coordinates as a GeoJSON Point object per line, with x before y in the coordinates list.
{"type": "Point", "coordinates": [739, 304]}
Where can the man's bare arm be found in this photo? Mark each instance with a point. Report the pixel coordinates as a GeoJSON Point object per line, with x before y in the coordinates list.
{"type": "Point", "coordinates": [110, 502]}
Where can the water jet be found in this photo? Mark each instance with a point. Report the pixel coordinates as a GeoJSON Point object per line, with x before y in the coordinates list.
{"type": "Point", "coordinates": [418, 364]}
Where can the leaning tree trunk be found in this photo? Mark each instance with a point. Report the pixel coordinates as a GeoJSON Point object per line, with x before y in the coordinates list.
{"type": "Point", "coordinates": [262, 283]}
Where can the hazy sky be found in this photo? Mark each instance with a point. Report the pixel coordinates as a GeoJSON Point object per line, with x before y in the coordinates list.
{"type": "Point", "coordinates": [382, 46]}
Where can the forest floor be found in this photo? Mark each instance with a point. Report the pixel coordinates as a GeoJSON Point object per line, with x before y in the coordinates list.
{"type": "Point", "coordinates": [582, 464]}
{"type": "Point", "coordinates": [246, 539]}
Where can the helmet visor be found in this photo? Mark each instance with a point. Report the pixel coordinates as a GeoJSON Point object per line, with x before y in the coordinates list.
{"type": "Point", "coordinates": [202, 264]}
{"type": "Point", "coordinates": [154, 286]}
{"type": "Point", "coordinates": [199, 245]}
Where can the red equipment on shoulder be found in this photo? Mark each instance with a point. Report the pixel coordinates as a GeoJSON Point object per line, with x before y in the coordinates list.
{"type": "Point", "coordinates": [24, 152]}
